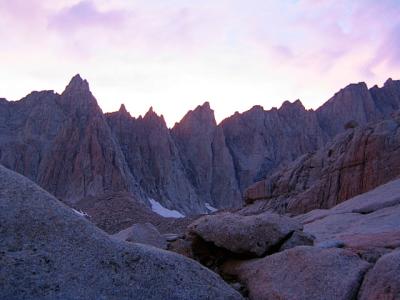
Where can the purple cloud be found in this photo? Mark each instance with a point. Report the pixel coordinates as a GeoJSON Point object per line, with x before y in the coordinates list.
{"type": "Point", "coordinates": [85, 15]}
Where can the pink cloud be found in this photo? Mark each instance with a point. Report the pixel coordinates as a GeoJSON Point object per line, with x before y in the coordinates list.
{"type": "Point", "coordinates": [242, 52]}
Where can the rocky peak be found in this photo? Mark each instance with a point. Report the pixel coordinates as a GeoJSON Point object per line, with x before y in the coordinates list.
{"type": "Point", "coordinates": [292, 106]}
{"type": "Point", "coordinates": [349, 93]}
{"type": "Point", "coordinates": [201, 117]}
{"type": "Point", "coordinates": [151, 117]}
{"type": "Point", "coordinates": [256, 110]}
{"type": "Point", "coordinates": [78, 98]}
{"type": "Point", "coordinates": [354, 102]}
{"type": "Point", "coordinates": [77, 84]}
{"type": "Point", "coordinates": [388, 81]}
{"type": "Point", "coordinates": [122, 110]}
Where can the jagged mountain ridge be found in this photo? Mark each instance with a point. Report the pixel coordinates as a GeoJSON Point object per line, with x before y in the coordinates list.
{"type": "Point", "coordinates": [69, 147]}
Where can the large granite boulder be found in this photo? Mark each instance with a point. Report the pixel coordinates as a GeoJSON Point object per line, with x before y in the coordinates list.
{"type": "Point", "coordinates": [301, 273]}
{"type": "Point", "coordinates": [48, 251]}
{"type": "Point", "coordinates": [383, 280]}
{"type": "Point", "coordinates": [253, 235]}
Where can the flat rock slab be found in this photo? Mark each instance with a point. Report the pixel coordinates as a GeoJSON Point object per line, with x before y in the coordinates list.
{"type": "Point", "coordinates": [386, 195]}
{"type": "Point", "coordinates": [336, 226]}
{"type": "Point", "coordinates": [47, 251]}
{"type": "Point", "coordinates": [301, 273]}
{"type": "Point", "coordinates": [383, 280]}
{"type": "Point", "coordinates": [255, 234]}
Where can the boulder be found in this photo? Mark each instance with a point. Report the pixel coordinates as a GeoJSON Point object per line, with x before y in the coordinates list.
{"type": "Point", "coordinates": [383, 280]}
{"type": "Point", "coordinates": [301, 273]}
{"type": "Point", "coordinates": [298, 238]}
{"type": "Point", "coordinates": [144, 234]}
{"type": "Point", "coordinates": [47, 251]}
{"type": "Point", "coordinates": [181, 246]}
{"type": "Point", "coordinates": [253, 235]}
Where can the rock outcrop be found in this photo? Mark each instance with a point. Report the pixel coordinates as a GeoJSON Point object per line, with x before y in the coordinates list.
{"type": "Point", "coordinates": [301, 273]}
{"type": "Point", "coordinates": [353, 163]}
{"type": "Point", "coordinates": [366, 228]}
{"type": "Point", "coordinates": [47, 251]}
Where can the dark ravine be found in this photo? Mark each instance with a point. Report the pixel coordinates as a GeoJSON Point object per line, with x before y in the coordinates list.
{"type": "Point", "coordinates": [69, 147]}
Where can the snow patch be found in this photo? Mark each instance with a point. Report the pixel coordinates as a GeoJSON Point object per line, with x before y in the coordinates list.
{"type": "Point", "coordinates": [80, 213]}
{"type": "Point", "coordinates": [163, 211]}
{"type": "Point", "coordinates": [210, 208]}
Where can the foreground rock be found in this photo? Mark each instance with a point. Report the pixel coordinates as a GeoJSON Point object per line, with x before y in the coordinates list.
{"type": "Point", "coordinates": [47, 251]}
{"type": "Point", "coordinates": [301, 273]}
{"type": "Point", "coordinates": [144, 234]}
{"type": "Point", "coordinates": [383, 280]}
{"type": "Point", "coordinates": [253, 235]}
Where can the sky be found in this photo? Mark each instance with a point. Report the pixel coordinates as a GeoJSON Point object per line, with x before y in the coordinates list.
{"type": "Point", "coordinates": [176, 54]}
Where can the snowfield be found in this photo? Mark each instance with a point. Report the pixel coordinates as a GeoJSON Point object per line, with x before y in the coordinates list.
{"type": "Point", "coordinates": [163, 211]}
{"type": "Point", "coordinates": [210, 208]}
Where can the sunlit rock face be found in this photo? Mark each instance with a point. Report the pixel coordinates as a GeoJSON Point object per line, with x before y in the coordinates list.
{"type": "Point", "coordinates": [353, 163]}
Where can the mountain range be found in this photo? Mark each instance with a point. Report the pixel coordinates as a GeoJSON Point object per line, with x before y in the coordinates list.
{"type": "Point", "coordinates": [69, 147]}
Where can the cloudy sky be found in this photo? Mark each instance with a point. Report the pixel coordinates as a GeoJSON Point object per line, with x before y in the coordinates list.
{"type": "Point", "coordinates": [176, 54]}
